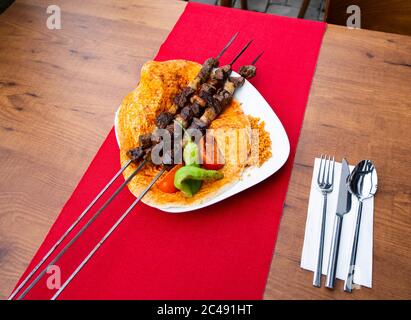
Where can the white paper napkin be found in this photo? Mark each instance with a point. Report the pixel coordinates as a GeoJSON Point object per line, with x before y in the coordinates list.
{"type": "Point", "coordinates": [363, 269]}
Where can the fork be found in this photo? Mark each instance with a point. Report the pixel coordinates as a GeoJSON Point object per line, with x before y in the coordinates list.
{"type": "Point", "coordinates": [325, 184]}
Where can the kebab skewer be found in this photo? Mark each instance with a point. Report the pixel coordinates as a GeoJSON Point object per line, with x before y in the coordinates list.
{"type": "Point", "coordinates": [222, 99]}
{"type": "Point", "coordinates": [194, 110]}
{"type": "Point", "coordinates": [201, 77]}
{"type": "Point", "coordinates": [181, 98]}
{"type": "Point", "coordinates": [194, 107]}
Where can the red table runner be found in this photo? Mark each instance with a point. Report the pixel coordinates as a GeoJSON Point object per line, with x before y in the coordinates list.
{"type": "Point", "coordinates": [219, 252]}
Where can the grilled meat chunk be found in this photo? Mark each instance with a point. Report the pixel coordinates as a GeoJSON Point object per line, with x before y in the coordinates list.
{"type": "Point", "coordinates": [186, 114]}
{"type": "Point", "coordinates": [237, 81]}
{"type": "Point", "coordinates": [163, 119]}
{"type": "Point", "coordinates": [222, 73]}
{"type": "Point", "coordinates": [207, 89]}
{"type": "Point", "coordinates": [223, 97]}
{"type": "Point", "coordinates": [198, 125]}
{"type": "Point", "coordinates": [247, 71]}
{"type": "Point", "coordinates": [181, 99]}
{"type": "Point", "coordinates": [136, 154]}
{"type": "Point", "coordinates": [145, 140]}
{"type": "Point", "coordinates": [205, 71]}
{"type": "Point", "coordinates": [196, 109]}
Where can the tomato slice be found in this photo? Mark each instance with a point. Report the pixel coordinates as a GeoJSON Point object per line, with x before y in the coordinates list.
{"type": "Point", "coordinates": [166, 183]}
{"type": "Point", "coordinates": [210, 154]}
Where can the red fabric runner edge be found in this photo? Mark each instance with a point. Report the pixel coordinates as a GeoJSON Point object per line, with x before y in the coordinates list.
{"type": "Point", "coordinates": [220, 252]}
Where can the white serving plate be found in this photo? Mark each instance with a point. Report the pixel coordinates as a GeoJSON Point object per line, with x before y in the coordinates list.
{"type": "Point", "coordinates": [254, 104]}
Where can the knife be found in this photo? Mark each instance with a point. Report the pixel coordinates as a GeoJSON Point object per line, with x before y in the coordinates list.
{"type": "Point", "coordinates": [343, 206]}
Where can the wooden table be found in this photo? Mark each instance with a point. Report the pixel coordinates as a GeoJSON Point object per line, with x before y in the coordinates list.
{"type": "Point", "coordinates": [59, 90]}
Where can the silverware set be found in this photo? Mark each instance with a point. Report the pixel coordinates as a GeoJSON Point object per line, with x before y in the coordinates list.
{"type": "Point", "coordinates": [362, 183]}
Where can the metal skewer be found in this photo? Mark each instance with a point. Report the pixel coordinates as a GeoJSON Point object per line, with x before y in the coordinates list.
{"type": "Point", "coordinates": [68, 245]}
{"type": "Point", "coordinates": [59, 241]}
{"type": "Point", "coordinates": [256, 58]}
{"type": "Point", "coordinates": [226, 46]}
{"type": "Point", "coordinates": [123, 216]}
{"type": "Point", "coordinates": [94, 217]}
{"type": "Point", "coordinates": [241, 52]}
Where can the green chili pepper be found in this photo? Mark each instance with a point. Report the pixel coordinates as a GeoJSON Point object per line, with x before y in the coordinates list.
{"type": "Point", "coordinates": [188, 178]}
{"type": "Point", "coordinates": [191, 154]}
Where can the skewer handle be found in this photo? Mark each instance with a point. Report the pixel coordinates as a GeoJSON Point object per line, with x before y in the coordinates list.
{"type": "Point", "coordinates": [81, 231]}
{"type": "Point", "coordinates": [66, 233]}
{"type": "Point", "coordinates": [99, 244]}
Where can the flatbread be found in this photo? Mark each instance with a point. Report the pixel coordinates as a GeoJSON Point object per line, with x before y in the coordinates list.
{"type": "Point", "coordinates": [159, 83]}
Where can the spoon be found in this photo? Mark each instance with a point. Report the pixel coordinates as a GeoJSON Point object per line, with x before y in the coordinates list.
{"type": "Point", "coordinates": [362, 183]}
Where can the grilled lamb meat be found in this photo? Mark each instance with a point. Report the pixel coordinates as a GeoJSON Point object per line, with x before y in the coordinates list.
{"type": "Point", "coordinates": [185, 116]}
{"type": "Point", "coordinates": [208, 99]}
{"type": "Point", "coordinates": [145, 140]}
{"type": "Point", "coordinates": [198, 125]}
{"type": "Point", "coordinates": [205, 71]}
{"type": "Point", "coordinates": [247, 71]}
{"type": "Point", "coordinates": [207, 89]}
{"type": "Point", "coordinates": [181, 99]}
{"type": "Point", "coordinates": [237, 81]}
{"type": "Point", "coordinates": [163, 119]}
{"type": "Point", "coordinates": [222, 73]}
{"type": "Point", "coordinates": [136, 153]}
{"type": "Point", "coordinates": [196, 109]}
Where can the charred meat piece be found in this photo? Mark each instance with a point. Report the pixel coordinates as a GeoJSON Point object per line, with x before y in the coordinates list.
{"type": "Point", "coordinates": [207, 89]}
{"type": "Point", "coordinates": [206, 93]}
{"type": "Point", "coordinates": [209, 99]}
{"type": "Point", "coordinates": [237, 81]}
{"type": "Point", "coordinates": [163, 119]}
{"type": "Point", "coordinates": [186, 114]}
{"type": "Point", "coordinates": [196, 109]}
{"type": "Point", "coordinates": [217, 105]}
{"type": "Point", "coordinates": [145, 140]}
{"type": "Point", "coordinates": [247, 71]}
{"type": "Point", "coordinates": [223, 97]}
{"type": "Point", "coordinates": [222, 73]}
{"type": "Point", "coordinates": [136, 154]}
{"type": "Point", "coordinates": [181, 99]}
{"type": "Point", "coordinates": [198, 125]}
{"type": "Point", "coordinates": [205, 71]}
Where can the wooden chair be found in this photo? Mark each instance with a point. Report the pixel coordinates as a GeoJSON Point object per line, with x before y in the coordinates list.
{"type": "Point", "coordinates": [229, 3]}
{"type": "Point", "coordinates": [303, 9]}
{"type": "Point", "coordinates": [244, 5]}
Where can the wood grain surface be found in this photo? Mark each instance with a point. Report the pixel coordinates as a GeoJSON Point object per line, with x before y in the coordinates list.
{"type": "Point", "coordinates": [359, 108]}
{"type": "Point", "coordinates": [59, 90]}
